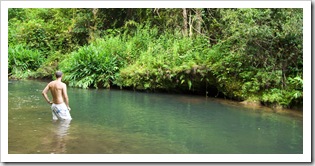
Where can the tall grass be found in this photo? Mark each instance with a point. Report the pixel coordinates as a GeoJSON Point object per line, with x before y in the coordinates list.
{"type": "Point", "coordinates": [94, 65]}
{"type": "Point", "coordinates": [167, 62]}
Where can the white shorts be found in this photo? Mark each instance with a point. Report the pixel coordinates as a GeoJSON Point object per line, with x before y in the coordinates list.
{"type": "Point", "coordinates": [60, 111]}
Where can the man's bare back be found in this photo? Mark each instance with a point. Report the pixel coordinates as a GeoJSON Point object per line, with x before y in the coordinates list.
{"type": "Point", "coordinates": [56, 88]}
{"type": "Point", "coordinates": [58, 91]}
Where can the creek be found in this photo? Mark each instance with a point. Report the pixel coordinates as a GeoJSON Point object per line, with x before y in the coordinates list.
{"type": "Point", "coordinates": [127, 122]}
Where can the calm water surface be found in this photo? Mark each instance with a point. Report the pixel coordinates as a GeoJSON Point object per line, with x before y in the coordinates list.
{"type": "Point", "coordinates": [127, 122]}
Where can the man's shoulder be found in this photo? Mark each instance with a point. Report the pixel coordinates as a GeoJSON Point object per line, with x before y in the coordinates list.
{"type": "Point", "coordinates": [56, 83]}
{"type": "Point", "coordinates": [63, 84]}
{"type": "Point", "coordinates": [52, 82]}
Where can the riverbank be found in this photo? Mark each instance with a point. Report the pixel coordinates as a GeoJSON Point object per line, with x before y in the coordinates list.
{"type": "Point", "coordinates": [219, 97]}
{"type": "Point", "coordinates": [297, 112]}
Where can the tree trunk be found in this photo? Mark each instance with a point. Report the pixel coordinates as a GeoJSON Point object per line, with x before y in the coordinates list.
{"type": "Point", "coordinates": [190, 25]}
{"type": "Point", "coordinates": [185, 25]}
{"type": "Point", "coordinates": [198, 20]}
{"type": "Point", "coordinates": [284, 69]}
{"type": "Point", "coordinates": [93, 29]}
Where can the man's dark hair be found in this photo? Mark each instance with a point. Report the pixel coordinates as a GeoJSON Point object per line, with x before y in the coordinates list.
{"type": "Point", "coordinates": [58, 74]}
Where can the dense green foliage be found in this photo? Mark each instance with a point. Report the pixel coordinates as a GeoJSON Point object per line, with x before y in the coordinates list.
{"type": "Point", "coordinates": [241, 54]}
{"type": "Point", "coordinates": [96, 64]}
{"type": "Point", "coordinates": [23, 62]}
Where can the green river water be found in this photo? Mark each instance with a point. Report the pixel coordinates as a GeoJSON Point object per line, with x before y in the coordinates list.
{"type": "Point", "coordinates": [126, 122]}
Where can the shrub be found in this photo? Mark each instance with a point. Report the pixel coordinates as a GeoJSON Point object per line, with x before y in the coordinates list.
{"type": "Point", "coordinates": [94, 65]}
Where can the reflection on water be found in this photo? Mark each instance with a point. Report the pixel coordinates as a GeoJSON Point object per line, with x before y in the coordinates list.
{"type": "Point", "coordinates": [60, 129]}
{"type": "Point", "coordinates": [125, 122]}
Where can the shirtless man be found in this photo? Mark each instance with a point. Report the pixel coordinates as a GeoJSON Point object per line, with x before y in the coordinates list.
{"type": "Point", "coordinates": [60, 104]}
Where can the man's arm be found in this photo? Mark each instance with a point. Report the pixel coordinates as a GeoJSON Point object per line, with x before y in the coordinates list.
{"type": "Point", "coordinates": [65, 96]}
{"type": "Point", "coordinates": [44, 93]}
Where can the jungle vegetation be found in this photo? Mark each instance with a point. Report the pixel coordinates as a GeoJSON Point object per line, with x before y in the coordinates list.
{"type": "Point", "coordinates": [241, 54]}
